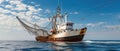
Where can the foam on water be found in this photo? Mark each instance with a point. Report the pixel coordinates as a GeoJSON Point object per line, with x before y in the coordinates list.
{"type": "Point", "coordinates": [105, 42]}
{"type": "Point", "coordinates": [88, 41]}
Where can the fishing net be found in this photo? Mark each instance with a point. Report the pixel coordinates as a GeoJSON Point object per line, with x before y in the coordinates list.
{"type": "Point", "coordinates": [36, 30]}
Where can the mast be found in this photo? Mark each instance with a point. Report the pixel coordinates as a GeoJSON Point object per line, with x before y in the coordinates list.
{"type": "Point", "coordinates": [57, 18]}
{"type": "Point", "coordinates": [66, 17]}
{"type": "Point", "coordinates": [54, 24]}
{"type": "Point", "coordinates": [58, 8]}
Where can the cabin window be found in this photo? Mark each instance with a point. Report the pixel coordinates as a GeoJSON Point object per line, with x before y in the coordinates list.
{"type": "Point", "coordinates": [69, 24]}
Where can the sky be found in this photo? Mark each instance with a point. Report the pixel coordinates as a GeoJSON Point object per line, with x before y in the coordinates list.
{"type": "Point", "coordinates": [101, 17]}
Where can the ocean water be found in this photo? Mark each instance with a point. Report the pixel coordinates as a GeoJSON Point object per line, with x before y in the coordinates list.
{"type": "Point", "coordinates": [91, 45]}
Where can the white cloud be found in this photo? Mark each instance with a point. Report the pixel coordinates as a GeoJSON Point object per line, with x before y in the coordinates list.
{"type": "Point", "coordinates": [20, 7]}
{"type": "Point", "coordinates": [37, 5]}
{"type": "Point", "coordinates": [47, 11]}
{"type": "Point", "coordinates": [39, 9]}
{"type": "Point", "coordinates": [1, 1]}
{"type": "Point", "coordinates": [3, 11]}
{"type": "Point", "coordinates": [74, 12]}
{"type": "Point", "coordinates": [32, 2]}
{"type": "Point", "coordinates": [102, 35]}
{"type": "Point", "coordinates": [9, 22]}
{"type": "Point", "coordinates": [95, 24]}
{"type": "Point", "coordinates": [78, 26]}
{"type": "Point", "coordinates": [113, 26]}
{"type": "Point", "coordinates": [14, 2]}
{"type": "Point", "coordinates": [105, 14]}
{"type": "Point", "coordinates": [31, 8]}
{"type": "Point", "coordinates": [8, 6]}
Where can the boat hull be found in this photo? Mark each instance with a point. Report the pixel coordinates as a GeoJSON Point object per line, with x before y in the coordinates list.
{"type": "Point", "coordinates": [65, 39]}
{"type": "Point", "coordinates": [58, 37]}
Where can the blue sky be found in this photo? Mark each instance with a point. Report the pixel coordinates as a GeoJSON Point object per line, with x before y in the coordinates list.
{"type": "Point", "coordinates": [101, 17]}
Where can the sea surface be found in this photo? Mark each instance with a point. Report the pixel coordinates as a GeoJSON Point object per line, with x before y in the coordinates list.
{"type": "Point", "coordinates": [87, 45]}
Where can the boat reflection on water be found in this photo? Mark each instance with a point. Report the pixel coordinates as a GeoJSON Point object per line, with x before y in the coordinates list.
{"type": "Point", "coordinates": [69, 46]}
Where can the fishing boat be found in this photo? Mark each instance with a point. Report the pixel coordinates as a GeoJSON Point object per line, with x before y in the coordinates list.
{"type": "Point", "coordinates": [61, 29]}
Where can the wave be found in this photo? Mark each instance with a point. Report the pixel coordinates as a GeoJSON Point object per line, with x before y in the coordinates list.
{"type": "Point", "coordinates": [88, 41]}
{"type": "Point", "coordinates": [105, 42]}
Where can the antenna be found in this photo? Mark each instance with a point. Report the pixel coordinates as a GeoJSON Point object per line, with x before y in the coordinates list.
{"type": "Point", "coordinates": [58, 2]}
{"type": "Point", "coordinates": [58, 8]}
